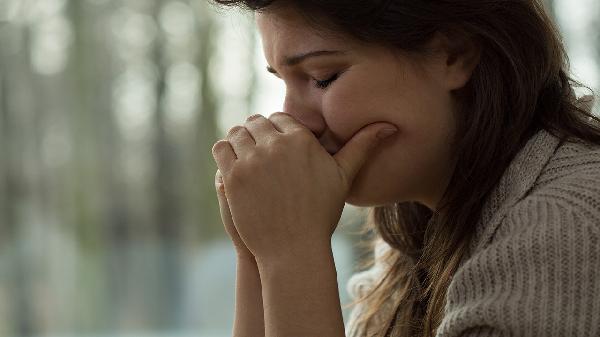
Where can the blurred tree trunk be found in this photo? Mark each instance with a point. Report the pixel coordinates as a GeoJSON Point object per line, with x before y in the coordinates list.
{"type": "Point", "coordinates": [85, 126]}
{"type": "Point", "coordinates": [167, 212]}
{"type": "Point", "coordinates": [208, 215]}
{"type": "Point", "coordinates": [9, 190]}
{"type": "Point", "coordinates": [166, 207]}
{"type": "Point", "coordinates": [84, 183]}
{"type": "Point", "coordinates": [16, 114]}
{"type": "Point", "coordinates": [6, 212]}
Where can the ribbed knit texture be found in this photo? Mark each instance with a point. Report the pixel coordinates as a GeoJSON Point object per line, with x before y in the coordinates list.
{"type": "Point", "coordinates": [533, 261]}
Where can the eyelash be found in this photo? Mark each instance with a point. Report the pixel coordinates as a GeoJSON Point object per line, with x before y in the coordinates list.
{"type": "Point", "coordinates": [325, 83]}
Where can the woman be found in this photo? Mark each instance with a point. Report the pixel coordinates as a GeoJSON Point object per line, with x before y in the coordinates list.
{"type": "Point", "coordinates": [456, 123]}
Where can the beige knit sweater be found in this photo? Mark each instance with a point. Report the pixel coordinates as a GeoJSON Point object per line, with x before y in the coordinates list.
{"type": "Point", "coordinates": [534, 266]}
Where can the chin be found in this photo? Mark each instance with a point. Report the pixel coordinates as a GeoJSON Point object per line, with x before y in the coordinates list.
{"type": "Point", "coordinates": [369, 190]}
{"type": "Point", "coordinates": [357, 202]}
{"type": "Point", "coordinates": [365, 198]}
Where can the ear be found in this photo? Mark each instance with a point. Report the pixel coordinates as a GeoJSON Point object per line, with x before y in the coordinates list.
{"type": "Point", "coordinates": [460, 54]}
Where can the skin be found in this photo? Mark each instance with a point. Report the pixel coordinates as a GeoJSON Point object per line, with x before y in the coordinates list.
{"type": "Point", "coordinates": [283, 181]}
{"type": "Point", "coordinates": [376, 84]}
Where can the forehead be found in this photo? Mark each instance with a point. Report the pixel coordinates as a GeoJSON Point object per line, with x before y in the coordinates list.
{"type": "Point", "coordinates": [284, 30]}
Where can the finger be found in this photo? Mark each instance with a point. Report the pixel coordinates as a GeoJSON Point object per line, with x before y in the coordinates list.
{"type": "Point", "coordinates": [285, 123]}
{"type": "Point", "coordinates": [239, 245]}
{"type": "Point", "coordinates": [260, 128]}
{"type": "Point", "coordinates": [224, 155]}
{"type": "Point", "coordinates": [226, 217]}
{"type": "Point", "coordinates": [223, 204]}
{"type": "Point", "coordinates": [241, 140]}
{"type": "Point", "coordinates": [356, 151]}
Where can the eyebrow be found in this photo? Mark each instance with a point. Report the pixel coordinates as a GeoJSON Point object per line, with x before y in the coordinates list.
{"type": "Point", "coordinates": [297, 59]}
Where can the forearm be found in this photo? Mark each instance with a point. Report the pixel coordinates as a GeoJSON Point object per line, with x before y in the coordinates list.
{"type": "Point", "coordinates": [249, 319]}
{"type": "Point", "coordinates": [300, 295]}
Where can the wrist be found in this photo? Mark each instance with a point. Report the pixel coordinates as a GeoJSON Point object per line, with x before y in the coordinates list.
{"type": "Point", "coordinates": [311, 257]}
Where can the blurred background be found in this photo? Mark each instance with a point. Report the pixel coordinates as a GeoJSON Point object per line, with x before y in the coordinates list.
{"type": "Point", "coordinates": [109, 222]}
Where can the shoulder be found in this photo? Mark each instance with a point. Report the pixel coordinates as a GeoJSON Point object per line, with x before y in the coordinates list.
{"type": "Point", "coordinates": [568, 187]}
{"type": "Point", "coordinates": [571, 178]}
{"type": "Point", "coordinates": [536, 277]}
{"type": "Point", "coordinates": [572, 159]}
{"type": "Point", "coordinates": [538, 281]}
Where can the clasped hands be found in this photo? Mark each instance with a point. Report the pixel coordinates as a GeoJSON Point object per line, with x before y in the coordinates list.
{"type": "Point", "coordinates": [280, 192]}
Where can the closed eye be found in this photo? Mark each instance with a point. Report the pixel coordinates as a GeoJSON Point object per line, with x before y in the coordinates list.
{"type": "Point", "coordinates": [325, 83]}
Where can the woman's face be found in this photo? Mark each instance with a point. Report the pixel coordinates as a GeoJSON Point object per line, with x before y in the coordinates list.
{"type": "Point", "coordinates": [347, 85]}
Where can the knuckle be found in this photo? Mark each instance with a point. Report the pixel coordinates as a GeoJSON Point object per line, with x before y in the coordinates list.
{"type": "Point", "coordinates": [254, 117]}
{"type": "Point", "coordinates": [235, 130]}
{"type": "Point", "coordinates": [299, 136]}
{"type": "Point", "coordinates": [279, 114]}
{"type": "Point", "coordinates": [302, 134]}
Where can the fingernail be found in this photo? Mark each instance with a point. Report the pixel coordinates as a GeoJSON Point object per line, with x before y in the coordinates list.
{"type": "Point", "coordinates": [384, 133]}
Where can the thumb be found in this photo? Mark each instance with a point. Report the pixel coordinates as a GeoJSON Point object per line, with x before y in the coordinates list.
{"type": "Point", "coordinates": [356, 151]}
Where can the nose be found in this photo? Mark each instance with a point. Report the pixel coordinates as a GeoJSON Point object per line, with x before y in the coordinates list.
{"type": "Point", "coordinates": [306, 113]}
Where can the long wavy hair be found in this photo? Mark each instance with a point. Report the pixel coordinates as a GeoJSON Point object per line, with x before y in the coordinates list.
{"type": "Point", "coordinates": [520, 86]}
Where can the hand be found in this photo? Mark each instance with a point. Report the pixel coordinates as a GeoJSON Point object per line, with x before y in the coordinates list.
{"type": "Point", "coordinates": [239, 245]}
{"type": "Point", "coordinates": [285, 192]}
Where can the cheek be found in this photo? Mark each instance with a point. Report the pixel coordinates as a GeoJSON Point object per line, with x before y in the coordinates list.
{"type": "Point", "coordinates": [405, 167]}
{"type": "Point", "coordinates": [346, 109]}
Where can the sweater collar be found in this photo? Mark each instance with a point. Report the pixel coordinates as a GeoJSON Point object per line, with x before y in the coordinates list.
{"type": "Point", "coordinates": [517, 180]}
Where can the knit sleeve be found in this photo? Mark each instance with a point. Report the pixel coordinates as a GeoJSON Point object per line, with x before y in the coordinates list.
{"type": "Point", "coordinates": [536, 278]}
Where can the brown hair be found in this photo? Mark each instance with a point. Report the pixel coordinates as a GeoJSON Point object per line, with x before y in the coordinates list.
{"type": "Point", "coordinates": [520, 86]}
